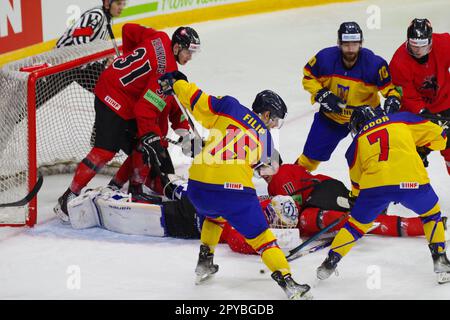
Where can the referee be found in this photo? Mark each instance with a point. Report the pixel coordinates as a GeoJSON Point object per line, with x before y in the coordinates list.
{"type": "Point", "coordinates": [91, 26]}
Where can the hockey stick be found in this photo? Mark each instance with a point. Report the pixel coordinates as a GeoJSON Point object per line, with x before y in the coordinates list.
{"type": "Point", "coordinates": [174, 142]}
{"type": "Point", "coordinates": [28, 197]}
{"type": "Point", "coordinates": [113, 38]}
{"type": "Point", "coordinates": [320, 246]}
{"type": "Point", "coordinates": [191, 123]}
{"type": "Point", "coordinates": [293, 253]}
{"type": "Point", "coordinates": [312, 185]}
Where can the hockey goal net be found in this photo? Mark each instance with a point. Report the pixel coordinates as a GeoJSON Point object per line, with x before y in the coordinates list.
{"type": "Point", "coordinates": [46, 121]}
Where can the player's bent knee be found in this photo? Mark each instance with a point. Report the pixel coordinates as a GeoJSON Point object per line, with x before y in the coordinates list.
{"type": "Point", "coordinates": [436, 209]}
{"type": "Point", "coordinates": [308, 163]}
{"type": "Point", "coordinates": [360, 228]}
{"type": "Point", "coordinates": [263, 242]}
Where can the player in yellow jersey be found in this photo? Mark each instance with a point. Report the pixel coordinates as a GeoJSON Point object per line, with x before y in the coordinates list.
{"type": "Point", "coordinates": [385, 167]}
{"type": "Point", "coordinates": [340, 79]}
{"type": "Point", "coordinates": [220, 179]}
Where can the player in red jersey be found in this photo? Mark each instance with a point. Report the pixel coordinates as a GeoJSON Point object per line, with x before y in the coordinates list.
{"type": "Point", "coordinates": [420, 67]}
{"type": "Point", "coordinates": [130, 107]}
{"type": "Point", "coordinates": [316, 208]}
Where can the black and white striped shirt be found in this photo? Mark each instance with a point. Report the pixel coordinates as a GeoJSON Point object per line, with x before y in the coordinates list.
{"type": "Point", "coordinates": [90, 27]}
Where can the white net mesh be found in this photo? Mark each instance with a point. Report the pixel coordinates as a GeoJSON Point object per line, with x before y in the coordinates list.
{"type": "Point", "coordinates": [64, 119]}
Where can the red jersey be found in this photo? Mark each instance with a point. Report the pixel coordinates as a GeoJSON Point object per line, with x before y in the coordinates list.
{"type": "Point", "coordinates": [130, 85]}
{"type": "Point", "coordinates": [424, 85]}
{"type": "Point", "coordinates": [292, 177]}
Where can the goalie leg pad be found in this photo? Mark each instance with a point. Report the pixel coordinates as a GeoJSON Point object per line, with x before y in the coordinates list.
{"type": "Point", "coordinates": [131, 218]}
{"type": "Point", "coordinates": [82, 211]}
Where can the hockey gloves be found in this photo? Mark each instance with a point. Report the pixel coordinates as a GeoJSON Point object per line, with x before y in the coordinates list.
{"type": "Point", "coordinates": [329, 102]}
{"type": "Point", "coordinates": [391, 104]}
{"type": "Point", "coordinates": [441, 119]}
{"type": "Point", "coordinates": [423, 153]}
{"type": "Point", "coordinates": [167, 80]}
{"type": "Point", "coordinates": [152, 150]}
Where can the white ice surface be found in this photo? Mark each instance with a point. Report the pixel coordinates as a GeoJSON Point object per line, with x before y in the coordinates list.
{"type": "Point", "coordinates": [239, 57]}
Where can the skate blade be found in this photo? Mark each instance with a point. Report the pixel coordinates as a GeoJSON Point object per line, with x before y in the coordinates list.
{"type": "Point", "coordinates": [443, 277]}
{"type": "Point", "coordinates": [202, 278]}
{"type": "Point", "coordinates": [302, 296]}
{"type": "Point", "coordinates": [324, 276]}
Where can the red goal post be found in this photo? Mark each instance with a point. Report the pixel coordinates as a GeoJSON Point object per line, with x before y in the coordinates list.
{"type": "Point", "coordinates": [46, 121]}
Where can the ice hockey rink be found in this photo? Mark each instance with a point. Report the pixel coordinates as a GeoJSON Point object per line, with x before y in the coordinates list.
{"type": "Point", "coordinates": [240, 57]}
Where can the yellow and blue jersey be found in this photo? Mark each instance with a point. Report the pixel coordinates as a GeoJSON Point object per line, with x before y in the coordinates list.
{"type": "Point", "coordinates": [356, 86]}
{"type": "Point", "coordinates": [384, 152]}
{"type": "Point", "coordinates": [237, 141]}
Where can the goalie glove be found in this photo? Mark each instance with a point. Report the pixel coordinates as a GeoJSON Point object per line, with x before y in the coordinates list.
{"type": "Point", "coordinates": [167, 81]}
{"type": "Point", "coordinates": [329, 102]}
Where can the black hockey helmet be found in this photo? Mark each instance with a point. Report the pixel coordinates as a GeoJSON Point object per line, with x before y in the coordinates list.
{"type": "Point", "coordinates": [268, 100]}
{"type": "Point", "coordinates": [361, 115]}
{"type": "Point", "coordinates": [350, 32]}
{"type": "Point", "coordinates": [419, 37]}
{"type": "Point", "coordinates": [187, 38]}
{"type": "Point", "coordinates": [420, 29]}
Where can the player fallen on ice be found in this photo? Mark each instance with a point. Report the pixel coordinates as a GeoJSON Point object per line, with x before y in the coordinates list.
{"type": "Point", "coordinates": [220, 183]}
{"type": "Point", "coordinates": [299, 199]}
{"type": "Point", "coordinates": [340, 79]}
{"type": "Point", "coordinates": [384, 168]}
{"type": "Point", "coordinates": [420, 68]}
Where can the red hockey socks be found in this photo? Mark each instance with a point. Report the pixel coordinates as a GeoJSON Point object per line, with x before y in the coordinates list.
{"type": "Point", "coordinates": [313, 220]}
{"type": "Point", "coordinates": [88, 168]}
{"type": "Point", "coordinates": [396, 226]}
{"type": "Point", "coordinates": [124, 173]}
{"type": "Point", "coordinates": [446, 154]}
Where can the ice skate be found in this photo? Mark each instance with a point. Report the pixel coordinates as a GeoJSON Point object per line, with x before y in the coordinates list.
{"type": "Point", "coordinates": [441, 264]}
{"type": "Point", "coordinates": [114, 186]}
{"type": "Point", "coordinates": [328, 267]}
{"type": "Point", "coordinates": [293, 290]}
{"type": "Point", "coordinates": [205, 266]}
{"type": "Point", "coordinates": [60, 209]}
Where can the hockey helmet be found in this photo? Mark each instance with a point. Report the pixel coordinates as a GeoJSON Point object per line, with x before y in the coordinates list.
{"type": "Point", "coordinates": [268, 100]}
{"type": "Point", "coordinates": [283, 212]}
{"type": "Point", "coordinates": [419, 35]}
{"type": "Point", "coordinates": [350, 32]}
{"type": "Point", "coordinates": [361, 115]}
{"type": "Point", "coordinates": [187, 38]}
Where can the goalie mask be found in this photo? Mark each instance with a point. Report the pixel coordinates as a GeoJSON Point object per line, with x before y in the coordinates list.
{"type": "Point", "coordinates": [283, 212]}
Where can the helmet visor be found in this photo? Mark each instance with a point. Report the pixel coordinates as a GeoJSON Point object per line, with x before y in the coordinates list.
{"type": "Point", "coordinates": [276, 123]}
{"type": "Point", "coordinates": [419, 47]}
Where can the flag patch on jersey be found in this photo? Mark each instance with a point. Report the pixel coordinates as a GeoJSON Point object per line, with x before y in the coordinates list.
{"type": "Point", "coordinates": [233, 186]}
{"type": "Point", "coordinates": [154, 99]}
{"type": "Point", "coordinates": [409, 185]}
